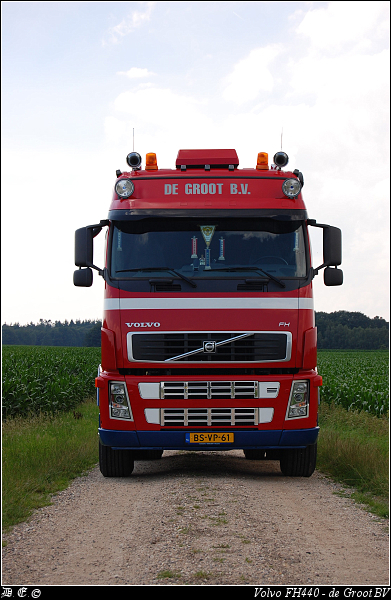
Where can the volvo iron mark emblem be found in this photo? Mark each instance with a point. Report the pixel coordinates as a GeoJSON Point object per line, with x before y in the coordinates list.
{"type": "Point", "coordinates": [209, 346]}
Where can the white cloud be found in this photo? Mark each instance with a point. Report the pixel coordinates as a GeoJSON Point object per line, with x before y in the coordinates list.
{"type": "Point", "coordinates": [116, 130]}
{"type": "Point", "coordinates": [346, 77]}
{"type": "Point", "coordinates": [134, 20]}
{"type": "Point", "coordinates": [161, 109]}
{"type": "Point", "coordinates": [136, 73]}
{"type": "Point", "coordinates": [163, 120]}
{"type": "Point", "coordinates": [360, 24]}
{"type": "Point", "coordinates": [42, 237]}
{"type": "Point", "coordinates": [251, 75]}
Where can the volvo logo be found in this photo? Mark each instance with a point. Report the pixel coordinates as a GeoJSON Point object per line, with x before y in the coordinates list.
{"type": "Point", "coordinates": [209, 347]}
{"type": "Point", "coordinates": [137, 325]}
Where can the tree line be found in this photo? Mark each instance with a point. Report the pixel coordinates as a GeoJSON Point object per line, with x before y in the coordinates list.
{"type": "Point", "coordinates": [48, 333]}
{"type": "Point", "coordinates": [337, 330]}
{"type": "Point", "coordinates": [343, 330]}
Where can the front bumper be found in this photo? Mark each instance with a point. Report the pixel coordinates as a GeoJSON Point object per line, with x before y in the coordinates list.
{"type": "Point", "coordinates": [176, 440]}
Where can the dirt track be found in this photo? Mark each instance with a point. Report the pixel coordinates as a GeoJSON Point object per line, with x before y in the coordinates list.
{"type": "Point", "coordinates": [203, 519]}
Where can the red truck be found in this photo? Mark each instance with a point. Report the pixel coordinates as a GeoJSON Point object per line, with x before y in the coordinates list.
{"type": "Point", "coordinates": [208, 339]}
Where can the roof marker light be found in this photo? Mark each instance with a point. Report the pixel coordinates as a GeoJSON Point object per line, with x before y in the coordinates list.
{"type": "Point", "coordinates": [151, 162]}
{"type": "Point", "coordinates": [262, 161]}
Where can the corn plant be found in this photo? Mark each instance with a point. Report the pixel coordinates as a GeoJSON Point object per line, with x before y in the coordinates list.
{"type": "Point", "coordinates": [39, 379]}
{"type": "Point", "coordinates": [355, 380]}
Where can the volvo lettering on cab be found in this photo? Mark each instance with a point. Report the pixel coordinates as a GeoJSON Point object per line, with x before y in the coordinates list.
{"type": "Point", "coordinates": [208, 339]}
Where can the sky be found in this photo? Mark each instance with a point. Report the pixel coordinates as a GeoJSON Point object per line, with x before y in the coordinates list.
{"type": "Point", "coordinates": [79, 77]}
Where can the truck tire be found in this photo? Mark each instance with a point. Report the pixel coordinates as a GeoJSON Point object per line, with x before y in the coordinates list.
{"type": "Point", "coordinates": [115, 463]}
{"type": "Point", "coordinates": [299, 462]}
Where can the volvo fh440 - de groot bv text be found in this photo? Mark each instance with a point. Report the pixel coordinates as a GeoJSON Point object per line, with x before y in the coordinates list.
{"type": "Point", "coordinates": [208, 337]}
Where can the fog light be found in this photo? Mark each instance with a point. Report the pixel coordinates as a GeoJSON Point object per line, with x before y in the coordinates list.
{"type": "Point", "coordinates": [291, 187]}
{"type": "Point", "coordinates": [298, 401]}
{"type": "Point", "coordinates": [124, 188]}
{"type": "Point", "coordinates": [119, 402]}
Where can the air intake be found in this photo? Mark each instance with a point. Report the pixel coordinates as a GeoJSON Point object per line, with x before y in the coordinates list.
{"type": "Point", "coordinates": [210, 347]}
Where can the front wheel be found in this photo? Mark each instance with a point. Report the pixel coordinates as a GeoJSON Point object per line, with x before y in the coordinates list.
{"type": "Point", "coordinates": [299, 462]}
{"type": "Point", "coordinates": [115, 463]}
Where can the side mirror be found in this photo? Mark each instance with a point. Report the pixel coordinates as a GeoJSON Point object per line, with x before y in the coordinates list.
{"type": "Point", "coordinates": [83, 277]}
{"type": "Point", "coordinates": [83, 247]}
{"type": "Point", "coordinates": [333, 276]}
{"type": "Point", "coordinates": [84, 253]}
{"type": "Point", "coordinates": [332, 253]}
{"type": "Point", "coordinates": [332, 246]}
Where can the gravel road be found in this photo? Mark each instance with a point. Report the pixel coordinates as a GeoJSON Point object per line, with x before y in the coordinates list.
{"type": "Point", "coordinates": [199, 518]}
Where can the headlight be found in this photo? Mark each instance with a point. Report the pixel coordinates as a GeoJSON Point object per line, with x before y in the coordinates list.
{"type": "Point", "coordinates": [291, 187]}
{"type": "Point", "coordinates": [119, 403]}
{"type": "Point", "coordinates": [298, 401]}
{"type": "Point", "coordinates": [124, 188]}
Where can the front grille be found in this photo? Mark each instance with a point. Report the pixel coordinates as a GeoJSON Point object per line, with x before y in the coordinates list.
{"type": "Point", "coordinates": [208, 417]}
{"type": "Point", "coordinates": [206, 390]}
{"type": "Point", "coordinates": [210, 347]}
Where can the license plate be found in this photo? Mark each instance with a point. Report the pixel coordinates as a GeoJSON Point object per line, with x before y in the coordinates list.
{"type": "Point", "coordinates": [209, 438]}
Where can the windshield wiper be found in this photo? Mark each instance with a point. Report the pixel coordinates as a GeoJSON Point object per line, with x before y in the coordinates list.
{"type": "Point", "coordinates": [257, 269]}
{"type": "Point", "coordinates": [160, 269]}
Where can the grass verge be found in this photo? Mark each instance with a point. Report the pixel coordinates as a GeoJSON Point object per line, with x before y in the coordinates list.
{"type": "Point", "coordinates": [353, 449]}
{"type": "Point", "coordinates": [41, 456]}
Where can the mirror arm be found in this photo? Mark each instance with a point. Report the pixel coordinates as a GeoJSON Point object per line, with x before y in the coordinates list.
{"type": "Point", "coordinates": [96, 229]}
{"type": "Point", "coordinates": [313, 223]}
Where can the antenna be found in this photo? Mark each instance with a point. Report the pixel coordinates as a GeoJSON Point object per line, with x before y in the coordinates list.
{"type": "Point", "coordinates": [282, 129]}
{"type": "Point", "coordinates": [133, 139]}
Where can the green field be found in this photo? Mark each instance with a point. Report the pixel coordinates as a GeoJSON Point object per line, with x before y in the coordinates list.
{"type": "Point", "coordinates": [356, 380]}
{"type": "Point", "coordinates": [46, 379]}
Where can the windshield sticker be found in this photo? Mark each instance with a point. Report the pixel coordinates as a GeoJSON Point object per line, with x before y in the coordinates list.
{"type": "Point", "coordinates": [222, 248]}
{"type": "Point", "coordinates": [296, 248]}
{"type": "Point", "coordinates": [194, 241]}
{"type": "Point", "coordinates": [207, 232]}
{"type": "Point", "coordinates": [119, 244]}
{"type": "Point", "coordinates": [204, 260]}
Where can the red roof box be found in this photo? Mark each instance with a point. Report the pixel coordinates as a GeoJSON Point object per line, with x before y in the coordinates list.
{"type": "Point", "coordinates": [200, 158]}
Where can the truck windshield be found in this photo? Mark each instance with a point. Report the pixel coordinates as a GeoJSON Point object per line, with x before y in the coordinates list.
{"type": "Point", "coordinates": [207, 248]}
